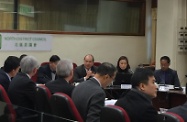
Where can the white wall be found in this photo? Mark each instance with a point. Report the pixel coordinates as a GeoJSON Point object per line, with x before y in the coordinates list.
{"type": "Point", "coordinates": [104, 48]}
{"type": "Point", "coordinates": [169, 20]}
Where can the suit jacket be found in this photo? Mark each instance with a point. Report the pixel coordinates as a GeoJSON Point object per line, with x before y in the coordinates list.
{"type": "Point", "coordinates": [22, 92]}
{"type": "Point", "coordinates": [180, 110]}
{"type": "Point", "coordinates": [89, 99]}
{"type": "Point", "coordinates": [138, 106]}
{"type": "Point", "coordinates": [80, 73]}
{"type": "Point", "coordinates": [170, 75]}
{"type": "Point", "coordinates": [60, 85]}
{"type": "Point", "coordinates": [44, 74]}
{"type": "Point", "coordinates": [4, 80]}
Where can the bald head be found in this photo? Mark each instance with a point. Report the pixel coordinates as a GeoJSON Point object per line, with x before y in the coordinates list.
{"type": "Point", "coordinates": [88, 61]}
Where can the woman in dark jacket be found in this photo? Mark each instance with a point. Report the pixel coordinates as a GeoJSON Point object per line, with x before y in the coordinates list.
{"type": "Point", "coordinates": [124, 73]}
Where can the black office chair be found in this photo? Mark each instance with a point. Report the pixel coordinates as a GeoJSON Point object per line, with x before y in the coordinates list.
{"type": "Point", "coordinates": [42, 99]}
{"type": "Point", "coordinates": [169, 117]}
{"type": "Point", "coordinates": [63, 106]}
{"type": "Point", "coordinates": [112, 113]}
{"type": "Point", "coordinates": [10, 113]}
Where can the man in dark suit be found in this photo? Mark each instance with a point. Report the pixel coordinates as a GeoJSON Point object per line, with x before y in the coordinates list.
{"type": "Point", "coordinates": [65, 74]}
{"type": "Point", "coordinates": [47, 72]}
{"type": "Point", "coordinates": [20, 58]}
{"type": "Point", "coordinates": [165, 75]}
{"type": "Point", "coordinates": [89, 96]}
{"type": "Point", "coordinates": [180, 110]}
{"type": "Point", "coordinates": [137, 102]}
{"type": "Point", "coordinates": [9, 70]}
{"type": "Point", "coordinates": [22, 89]}
{"type": "Point", "coordinates": [86, 70]}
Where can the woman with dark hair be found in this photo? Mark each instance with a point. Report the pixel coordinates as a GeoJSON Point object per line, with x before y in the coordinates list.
{"type": "Point", "coordinates": [124, 73]}
{"type": "Point", "coordinates": [123, 64]}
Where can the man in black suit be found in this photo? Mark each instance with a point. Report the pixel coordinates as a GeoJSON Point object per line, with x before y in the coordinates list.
{"type": "Point", "coordinates": [22, 89]}
{"type": "Point", "coordinates": [89, 96]}
{"type": "Point", "coordinates": [47, 72]}
{"type": "Point", "coordinates": [166, 75]}
{"type": "Point", "coordinates": [20, 58]}
{"type": "Point", "coordinates": [86, 70]}
{"type": "Point", "coordinates": [65, 74]}
{"type": "Point", "coordinates": [9, 70]}
{"type": "Point", "coordinates": [137, 102]}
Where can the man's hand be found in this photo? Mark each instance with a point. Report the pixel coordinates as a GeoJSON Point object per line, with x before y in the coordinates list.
{"type": "Point", "coordinates": [88, 74]}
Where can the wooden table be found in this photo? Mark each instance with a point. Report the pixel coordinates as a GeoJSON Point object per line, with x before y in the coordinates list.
{"type": "Point", "coordinates": [164, 99]}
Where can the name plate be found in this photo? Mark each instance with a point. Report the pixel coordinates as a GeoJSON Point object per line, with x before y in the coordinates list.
{"type": "Point", "coordinates": [126, 86]}
{"type": "Point", "coordinates": [165, 87]}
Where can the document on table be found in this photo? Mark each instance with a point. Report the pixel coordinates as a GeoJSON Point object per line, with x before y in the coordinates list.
{"type": "Point", "coordinates": [110, 102]}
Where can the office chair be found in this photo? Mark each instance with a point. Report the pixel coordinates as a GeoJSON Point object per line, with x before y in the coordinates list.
{"type": "Point", "coordinates": [112, 113]}
{"type": "Point", "coordinates": [97, 64]}
{"type": "Point", "coordinates": [10, 113]}
{"type": "Point", "coordinates": [44, 63]}
{"type": "Point", "coordinates": [34, 77]}
{"type": "Point", "coordinates": [169, 117]}
{"type": "Point", "coordinates": [63, 106]}
{"type": "Point", "coordinates": [43, 96]}
{"type": "Point", "coordinates": [74, 65]}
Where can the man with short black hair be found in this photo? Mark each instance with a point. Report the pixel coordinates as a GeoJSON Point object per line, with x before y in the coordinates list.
{"type": "Point", "coordinates": [10, 69]}
{"type": "Point", "coordinates": [89, 96]}
{"type": "Point", "coordinates": [47, 72]}
{"type": "Point", "coordinates": [166, 75]}
{"type": "Point", "coordinates": [86, 70]}
{"type": "Point", "coordinates": [64, 71]}
{"type": "Point", "coordinates": [138, 101]}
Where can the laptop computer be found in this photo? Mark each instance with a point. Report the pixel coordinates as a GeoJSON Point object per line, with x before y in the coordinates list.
{"type": "Point", "coordinates": [122, 78]}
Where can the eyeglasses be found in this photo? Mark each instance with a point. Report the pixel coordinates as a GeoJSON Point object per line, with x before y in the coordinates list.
{"type": "Point", "coordinates": [112, 77]}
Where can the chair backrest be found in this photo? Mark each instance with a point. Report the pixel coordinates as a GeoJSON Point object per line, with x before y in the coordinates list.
{"type": "Point", "coordinates": [112, 113]}
{"type": "Point", "coordinates": [4, 98]}
{"type": "Point", "coordinates": [63, 106]}
{"type": "Point", "coordinates": [34, 77]}
{"type": "Point", "coordinates": [169, 117]}
{"type": "Point", "coordinates": [44, 63]}
{"type": "Point", "coordinates": [74, 65]}
{"type": "Point", "coordinates": [97, 63]}
{"type": "Point", "coordinates": [43, 96]}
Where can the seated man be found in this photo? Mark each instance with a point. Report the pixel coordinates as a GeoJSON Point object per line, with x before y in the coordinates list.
{"type": "Point", "coordinates": [86, 70]}
{"type": "Point", "coordinates": [64, 72]}
{"type": "Point", "coordinates": [89, 96]}
{"type": "Point", "coordinates": [47, 72]}
{"type": "Point", "coordinates": [10, 69]}
{"type": "Point", "coordinates": [22, 89]}
{"type": "Point", "coordinates": [137, 102]}
{"type": "Point", "coordinates": [20, 58]}
{"type": "Point", "coordinates": [165, 75]}
{"type": "Point", "coordinates": [180, 110]}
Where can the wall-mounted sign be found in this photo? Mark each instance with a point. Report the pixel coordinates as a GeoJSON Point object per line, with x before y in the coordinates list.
{"type": "Point", "coordinates": [25, 10]}
{"type": "Point", "coordinates": [25, 42]}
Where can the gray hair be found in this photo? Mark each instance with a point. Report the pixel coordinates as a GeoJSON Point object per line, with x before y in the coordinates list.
{"type": "Point", "coordinates": [28, 63]}
{"type": "Point", "coordinates": [64, 68]}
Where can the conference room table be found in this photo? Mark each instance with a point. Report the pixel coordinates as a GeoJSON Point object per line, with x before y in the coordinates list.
{"type": "Point", "coordinates": [165, 98]}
